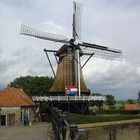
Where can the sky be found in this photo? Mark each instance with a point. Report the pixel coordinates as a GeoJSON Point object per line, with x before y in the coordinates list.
{"type": "Point", "coordinates": [114, 24]}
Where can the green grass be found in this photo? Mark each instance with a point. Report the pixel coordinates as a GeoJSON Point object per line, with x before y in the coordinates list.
{"type": "Point", "coordinates": [82, 119]}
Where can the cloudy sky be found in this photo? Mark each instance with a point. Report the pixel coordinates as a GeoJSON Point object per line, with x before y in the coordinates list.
{"type": "Point", "coordinates": [111, 23]}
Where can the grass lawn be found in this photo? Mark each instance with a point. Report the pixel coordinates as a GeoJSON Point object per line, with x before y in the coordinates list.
{"type": "Point", "coordinates": [82, 119]}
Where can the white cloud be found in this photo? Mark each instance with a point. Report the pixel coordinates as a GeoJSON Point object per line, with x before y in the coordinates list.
{"type": "Point", "coordinates": [138, 71]}
{"type": "Point", "coordinates": [113, 75]}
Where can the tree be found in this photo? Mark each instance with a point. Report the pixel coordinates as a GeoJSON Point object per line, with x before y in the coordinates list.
{"type": "Point", "coordinates": [110, 100]}
{"type": "Point", "coordinates": [138, 96]}
{"type": "Point", "coordinates": [130, 101]}
{"type": "Point", "coordinates": [97, 94]}
{"type": "Point", "coordinates": [34, 86]}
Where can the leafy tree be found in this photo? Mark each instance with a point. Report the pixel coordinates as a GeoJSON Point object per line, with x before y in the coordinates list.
{"type": "Point", "coordinates": [97, 94]}
{"type": "Point", "coordinates": [110, 100]}
{"type": "Point", "coordinates": [130, 101]}
{"type": "Point", "coordinates": [34, 86]}
{"type": "Point", "coordinates": [93, 108]}
{"type": "Point", "coordinates": [113, 107]}
{"type": "Point", "coordinates": [120, 106]}
{"type": "Point", "coordinates": [105, 106]}
{"type": "Point", "coordinates": [138, 96]}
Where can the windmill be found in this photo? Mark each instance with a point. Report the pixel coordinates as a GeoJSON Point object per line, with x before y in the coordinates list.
{"type": "Point", "coordinates": [69, 71]}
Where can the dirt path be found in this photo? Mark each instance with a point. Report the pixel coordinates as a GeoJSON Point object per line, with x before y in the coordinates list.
{"type": "Point", "coordinates": [36, 131]}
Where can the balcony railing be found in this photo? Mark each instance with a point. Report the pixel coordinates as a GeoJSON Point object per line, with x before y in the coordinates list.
{"type": "Point", "coordinates": [68, 98]}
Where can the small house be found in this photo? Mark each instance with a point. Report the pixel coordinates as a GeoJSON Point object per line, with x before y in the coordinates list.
{"type": "Point", "coordinates": [133, 106]}
{"type": "Point", "coordinates": [14, 102]}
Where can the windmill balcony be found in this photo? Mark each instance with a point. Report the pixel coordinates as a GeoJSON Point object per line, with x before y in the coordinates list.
{"type": "Point", "coordinates": [67, 98]}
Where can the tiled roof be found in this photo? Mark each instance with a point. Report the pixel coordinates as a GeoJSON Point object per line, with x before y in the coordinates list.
{"type": "Point", "coordinates": [131, 106]}
{"type": "Point", "coordinates": [15, 97]}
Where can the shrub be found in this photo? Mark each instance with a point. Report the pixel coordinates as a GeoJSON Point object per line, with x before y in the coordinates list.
{"type": "Point", "coordinates": [119, 112]}
{"type": "Point", "coordinates": [82, 119]}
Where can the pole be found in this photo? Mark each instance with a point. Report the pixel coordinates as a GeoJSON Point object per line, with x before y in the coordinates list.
{"type": "Point", "coordinates": [68, 108]}
{"type": "Point", "coordinates": [50, 63]}
{"type": "Point", "coordinates": [78, 69]}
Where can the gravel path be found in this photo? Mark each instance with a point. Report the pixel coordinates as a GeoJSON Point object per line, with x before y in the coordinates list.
{"type": "Point", "coordinates": [36, 131]}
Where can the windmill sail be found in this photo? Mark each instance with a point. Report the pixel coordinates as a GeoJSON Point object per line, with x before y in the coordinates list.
{"type": "Point", "coordinates": [77, 7]}
{"type": "Point", "coordinates": [25, 30]}
{"type": "Point", "coordinates": [102, 52]}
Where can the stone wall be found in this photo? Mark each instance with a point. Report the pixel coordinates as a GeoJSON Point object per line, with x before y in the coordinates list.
{"type": "Point", "coordinates": [12, 110]}
{"type": "Point", "coordinates": [15, 114]}
{"type": "Point", "coordinates": [120, 130]}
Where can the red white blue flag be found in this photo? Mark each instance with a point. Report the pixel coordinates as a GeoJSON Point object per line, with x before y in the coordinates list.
{"type": "Point", "coordinates": [71, 90]}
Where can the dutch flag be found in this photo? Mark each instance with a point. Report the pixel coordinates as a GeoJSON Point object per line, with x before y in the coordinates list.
{"type": "Point", "coordinates": [71, 90]}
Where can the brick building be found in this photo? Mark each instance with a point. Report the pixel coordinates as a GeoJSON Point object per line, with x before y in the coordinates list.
{"type": "Point", "coordinates": [14, 102]}
{"type": "Point", "coordinates": [133, 106]}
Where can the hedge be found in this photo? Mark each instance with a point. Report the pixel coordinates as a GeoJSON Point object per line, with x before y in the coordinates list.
{"type": "Point", "coordinates": [82, 119]}
{"type": "Point", "coordinates": [119, 112]}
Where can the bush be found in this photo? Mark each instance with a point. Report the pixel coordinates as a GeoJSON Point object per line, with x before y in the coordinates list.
{"type": "Point", "coordinates": [82, 119]}
{"type": "Point", "coordinates": [93, 108]}
{"type": "Point", "coordinates": [119, 112]}
{"type": "Point", "coordinates": [113, 107]}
